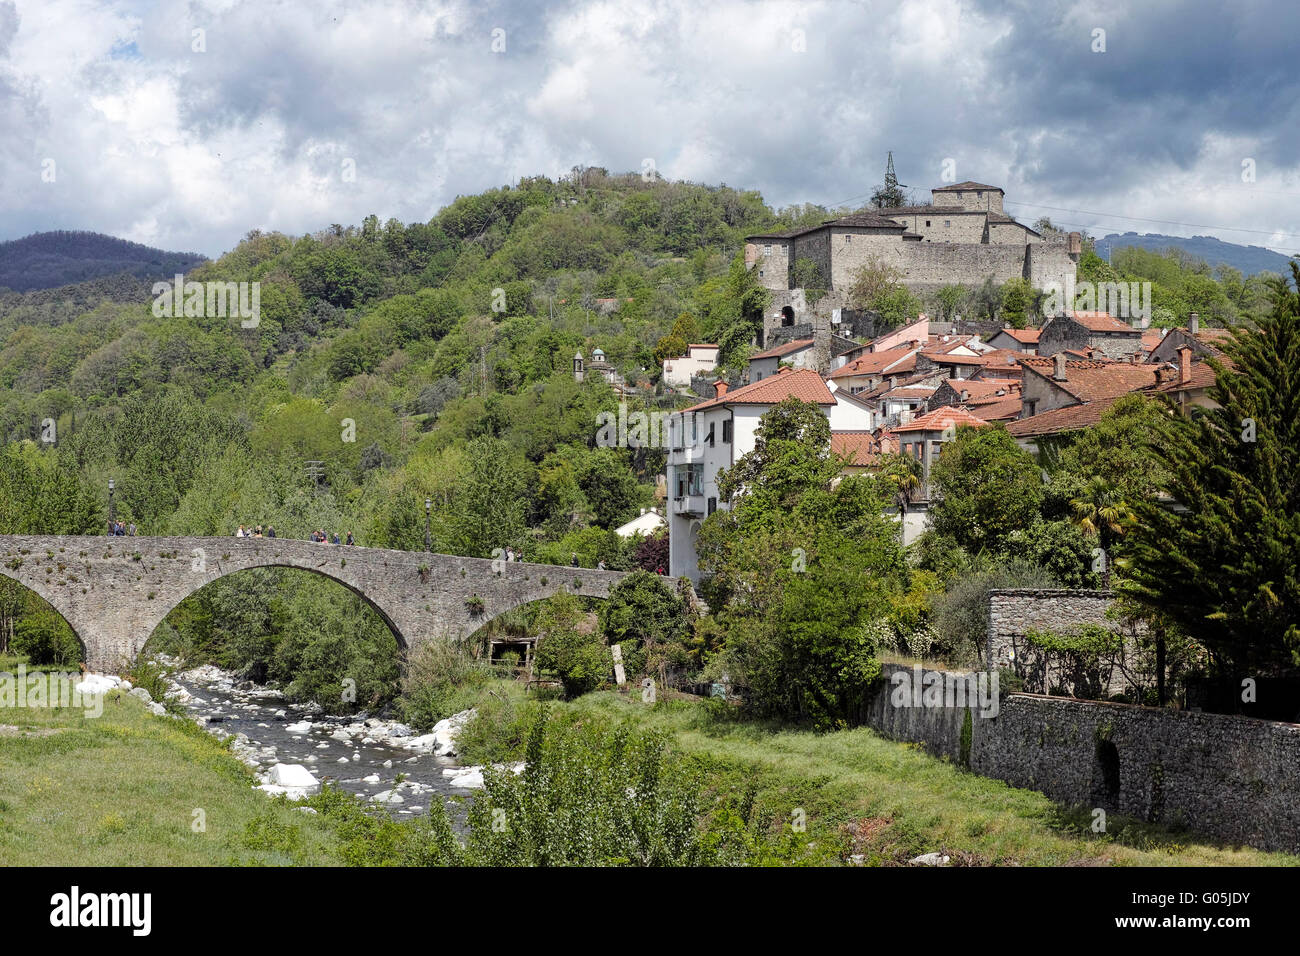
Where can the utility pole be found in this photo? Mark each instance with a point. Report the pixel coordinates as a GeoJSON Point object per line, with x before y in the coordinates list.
{"type": "Point", "coordinates": [315, 471]}
{"type": "Point", "coordinates": [428, 512]}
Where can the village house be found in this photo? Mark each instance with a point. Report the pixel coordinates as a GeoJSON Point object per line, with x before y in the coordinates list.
{"type": "Point", "coordinates": [1057, 382]}
{"type": "Point", "coordinates": [923, 439]}
{"type": "Point", "coordinates": [698, 359]}
{"type": "Point", "coordinates": [1203, 342]}
{"type": "Point", "coordinates": [1098, 331]}
{"type": "Point", "coordinates": [711, 435]}
{"type": "Point", "coordinates": [1018, 340]}
{"type": "Point", "coordinates": [646, 523]}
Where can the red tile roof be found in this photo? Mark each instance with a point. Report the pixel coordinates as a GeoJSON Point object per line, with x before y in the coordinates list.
{"type": "Point", "coordinates": [859, 447]}
{"type": "Point", "coordinates": [1007, 357]}
{"type": "Point", "coordinates": [786, 348]}
{"type": "Point", "coordinates": [1102, 322]}
{"type": "Point", "coordinates": [1151, 338]}
{"type": "Point", "coordinates": [1004, 409]}
{"type": "Point", "coordinates": [803, 384]}
{"type": "Point", "coordinates": [878, 362]}
{"type": "Point", "coordinates": [1091, 381]}
{"type": "Point", "coordinates": [1059, 420]}
{"type": "Point", "coordinates": [1202, 377]}
{"type": "Point", "coordinates": [941, 358]}
{"type": "Point", "coordinates": [941, 418]}
{"type": "Point", "coordinates": [1025, 336]}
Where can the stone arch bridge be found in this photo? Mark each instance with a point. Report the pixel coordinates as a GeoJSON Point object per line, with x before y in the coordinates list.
{"type": "Point", "coordinates": [114, 591]}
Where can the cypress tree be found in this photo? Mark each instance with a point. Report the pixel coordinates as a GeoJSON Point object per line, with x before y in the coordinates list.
{"type": "Point", "coordinates": [1222, 562]}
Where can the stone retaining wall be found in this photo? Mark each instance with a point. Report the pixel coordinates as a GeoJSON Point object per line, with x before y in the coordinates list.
{"type": "Point", "coordinates": [1230, 778]}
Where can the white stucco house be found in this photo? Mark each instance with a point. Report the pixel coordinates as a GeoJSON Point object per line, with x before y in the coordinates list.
{"type": "Point", "coordinates": [699, 359]}
{"type": "Point", "coordinates": [646, 523]}
{"type": "Point", "coordinates": [710, 436]}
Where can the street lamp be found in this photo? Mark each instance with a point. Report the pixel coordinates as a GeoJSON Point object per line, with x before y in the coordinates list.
{"type": "Point", "coordinates": [428, 511]}
{"type": "Point", "coordinates": [111, 512]}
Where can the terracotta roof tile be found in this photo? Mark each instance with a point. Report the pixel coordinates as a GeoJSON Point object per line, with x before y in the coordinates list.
{"type": "Point", "coordinates": [878, 362]}
{"type": "Point", "coordinates": [941, 418]}
{"type": "Point", "coordinates": [785, 348]}
{"type": "Point", "coordinates": [1004, 410]}
{"type": "Point", "coordinates": [1025, 336]}
{"type": "Point", "coordinates": [1091, 381]}
{"type": "Point", "coordinates": [1058, 420]}
{"type": "Point", "coordinates": [803, 384]}
{"type": "Point", "coordinates": [859, 447]}
{"type": "Point", "coordinates": [1102, 322]}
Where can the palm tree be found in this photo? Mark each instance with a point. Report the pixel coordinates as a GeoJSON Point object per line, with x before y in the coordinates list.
{"type": "Point", "coordinates": [1100, 510]}
{"type": "Point", "coordinates": [904, 473]}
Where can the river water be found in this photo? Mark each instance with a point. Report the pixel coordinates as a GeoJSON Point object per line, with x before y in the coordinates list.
{"type": "Point", "coordinates": [357, 753]}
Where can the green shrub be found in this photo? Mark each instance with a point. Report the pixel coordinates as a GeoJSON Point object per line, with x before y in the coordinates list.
{"type": "Point", "coordinates": [46, 640]}
{"type": "Point", "coordinates": [442, 678]}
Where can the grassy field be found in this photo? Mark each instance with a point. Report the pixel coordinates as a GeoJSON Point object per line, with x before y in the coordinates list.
{"type": "Point", "coordinates": [122, 789]}
{"type": "Point", "coordinates": [885, 802]}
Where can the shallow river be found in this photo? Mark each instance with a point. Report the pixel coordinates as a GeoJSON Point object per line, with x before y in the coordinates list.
{"type": "Point", "coordinates": [373, 761]}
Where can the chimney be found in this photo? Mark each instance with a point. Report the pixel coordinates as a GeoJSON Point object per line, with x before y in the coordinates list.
{"type": "Point", "coordinates": [720, 387]}
{"type": "Point", "coordinates": [781, 371]}
{"type": "Point", "coordinates": [893, 382]}
{"type": "Point", "coordinates": [965, 395]}
{"type": "Point", "coordinates": [1059, 372]}
{"type": "Point", "coordinates": [1194, 323]}
{"type": "Point", "coordinates": [1184, 365]}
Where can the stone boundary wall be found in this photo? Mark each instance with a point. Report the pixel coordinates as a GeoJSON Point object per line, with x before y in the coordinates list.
{"type": "Point", "coordinates": [1013, 612]}
{"type": "Point", "coordinates": [1229, 778]}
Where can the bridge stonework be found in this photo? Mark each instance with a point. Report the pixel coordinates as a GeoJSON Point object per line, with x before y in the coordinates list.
{"type": "Point", "coordinates": [114, 591]}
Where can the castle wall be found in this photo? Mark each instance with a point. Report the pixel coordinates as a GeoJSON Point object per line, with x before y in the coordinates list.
{"type": "Point", "coordinates": [986, 200]}
{"type": "Point", "coordinates": [773, 265]}
{"type": "Point", "coordinates": [930, 265]}
{"type": "Point", "coordinates": [1050, 260]}
{"type": "Point", "coordinates": [957, 226]}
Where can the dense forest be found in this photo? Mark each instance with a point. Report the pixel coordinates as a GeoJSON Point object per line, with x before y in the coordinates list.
{"type": "Point", "coordinates": [397, 363]}
{"type": "Point", "coordinates": [47, 260]}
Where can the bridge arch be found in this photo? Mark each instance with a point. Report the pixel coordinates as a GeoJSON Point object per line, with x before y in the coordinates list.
{"type": "Point", "coordinates": [22, 589]}
{"type": "Point", "coordinates": [115, 591]}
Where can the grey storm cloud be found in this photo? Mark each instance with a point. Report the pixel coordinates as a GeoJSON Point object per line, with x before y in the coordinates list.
{"type": "Point", "coordinates": [188, 139]}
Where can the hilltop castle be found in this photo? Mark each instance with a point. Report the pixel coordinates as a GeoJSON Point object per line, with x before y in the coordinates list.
{"type": "Point", "coordinates": [962, 236]}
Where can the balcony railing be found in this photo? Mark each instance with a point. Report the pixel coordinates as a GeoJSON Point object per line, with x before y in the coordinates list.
{"type": "Point", "coordinates": [692, 505]}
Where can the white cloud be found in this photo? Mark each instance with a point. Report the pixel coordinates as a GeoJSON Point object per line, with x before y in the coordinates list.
{"type": "Point", "coordinates": [800, 100]}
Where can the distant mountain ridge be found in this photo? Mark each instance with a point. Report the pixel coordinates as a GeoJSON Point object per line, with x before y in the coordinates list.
{"type": "Point", "coordinates": [1246, 259]}
{"type": "Point", "coordinates": [47, 260]}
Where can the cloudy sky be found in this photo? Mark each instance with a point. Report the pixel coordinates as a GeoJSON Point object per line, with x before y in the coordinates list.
{"type": "Point", "coordinates": [184, 125]}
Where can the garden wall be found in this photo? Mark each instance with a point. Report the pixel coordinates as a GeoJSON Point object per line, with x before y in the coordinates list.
{"type": "Point", "coordinates": [1230, 778]}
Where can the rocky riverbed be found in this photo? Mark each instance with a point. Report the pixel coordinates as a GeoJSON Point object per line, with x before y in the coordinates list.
{"type": "Point", "coordinates": [295, 747]}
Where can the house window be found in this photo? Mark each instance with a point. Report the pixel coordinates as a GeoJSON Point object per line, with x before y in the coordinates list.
{"type": "Point", "coordinates": [927, 223]}
{"type": "Point", "coordinates": [713, 505]}
{"type": "Point", "coordinates": [767, 250]}
{"type": "Point", "coordinates": [726, 430]}
{"type": "Point", "coordinates": [760, 273]}
{"type": "Point", "coordinates": [847, 237]}
{"type": "Point", "coordinates": [690, 480]}
{"type": "Point", "coordinates": [948, 222]}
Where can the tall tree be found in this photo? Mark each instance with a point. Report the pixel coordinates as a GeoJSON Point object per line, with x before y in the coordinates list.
{"type": "Point", "coordinates": [1222, 561]}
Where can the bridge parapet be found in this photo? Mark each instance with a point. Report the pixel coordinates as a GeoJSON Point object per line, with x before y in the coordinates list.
{"type": "Point", "coordinates": [114, 591]}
